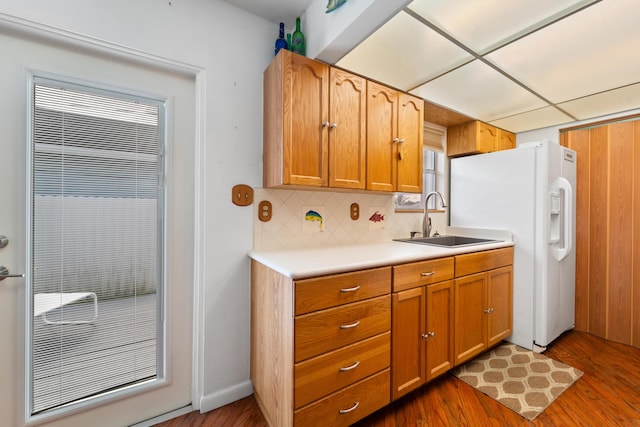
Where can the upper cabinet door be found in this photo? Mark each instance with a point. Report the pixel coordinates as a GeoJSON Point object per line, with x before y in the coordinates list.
{"type": "Point", "coordinates": [411, 134]}
{"type": "Point", "coordinates": [306, 112]}
{"type": "Point", "coordinates": [347, 130]}
{"type": "Point", "coordinates": [382, 132]}
{"type": "Point", "coordinates": [296, 122]}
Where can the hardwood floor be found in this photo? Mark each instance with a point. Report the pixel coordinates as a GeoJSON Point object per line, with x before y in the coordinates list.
{"type": "Point", "coordinates": [608, 394]}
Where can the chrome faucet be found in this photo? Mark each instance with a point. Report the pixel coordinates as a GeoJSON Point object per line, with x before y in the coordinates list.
{"type": "Point", "coordinates": [426, 221]}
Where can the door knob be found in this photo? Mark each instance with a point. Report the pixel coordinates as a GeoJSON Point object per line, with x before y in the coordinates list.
{"type": "Point", "coordinates": [4, 273]}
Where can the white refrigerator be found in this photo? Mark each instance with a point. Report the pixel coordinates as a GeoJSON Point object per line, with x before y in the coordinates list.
{"type": "Point", "coordinates": [530, 191]}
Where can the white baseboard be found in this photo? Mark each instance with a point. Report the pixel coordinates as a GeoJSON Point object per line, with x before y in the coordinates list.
{"type": "Point", "coordinates": [220, 398]}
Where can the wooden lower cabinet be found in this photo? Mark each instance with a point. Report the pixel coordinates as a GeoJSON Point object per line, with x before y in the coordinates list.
{"type": "Point", "coordinates": [500, 303]}
{"type": "Point", "coordinates": [440, 327]}
{"type": "Point", "coordinates": [422, 341]}
{"type": "Point", "coordinates": [408, 354]}
{"type": "Point", "coordinates": [471, 330]}
{"type": "Point", "coordinates": [348, 405]}
{"type": "Point", "coordinates": [320, 361]}
{"type": "Point", "coordinates": [328, 351]}
{"type": "Point", "coordinates": [422, 324]}
{"type": "Point", "coordinates": [483, 302]}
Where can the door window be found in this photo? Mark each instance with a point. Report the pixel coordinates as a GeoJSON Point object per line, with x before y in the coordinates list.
{"type": "Point", "coordinates": [96, 243]}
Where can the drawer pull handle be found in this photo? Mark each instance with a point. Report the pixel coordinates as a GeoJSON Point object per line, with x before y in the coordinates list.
{"type": "Point", "coordinates": [353, 408]}
{"type": "Point", "coordinates": [348, 368]}
{"type": "Point", "coordinates": [430, 273]}
{"type": "Point", "coordinates": [355, 288]}
{"type": "Point", "coordinates": [350, 325]}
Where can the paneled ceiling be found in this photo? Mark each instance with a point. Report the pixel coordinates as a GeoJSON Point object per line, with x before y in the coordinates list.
{"type": "Point", "coordinates": [517, 64]}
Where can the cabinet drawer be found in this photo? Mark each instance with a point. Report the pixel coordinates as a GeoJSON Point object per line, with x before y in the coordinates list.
{"type": "Point", "coordinates": [330, 291]}
{"type": "Point", "coordinates": [348, 405]}
{"type": "Point", "coordinates": [482, 261]}
{"type": "Point", "coordinates": [326, 330]}
{"type": "Point", "coordinates": [421, 273]}
{"type": "Point", "coordinates": [322, 375]}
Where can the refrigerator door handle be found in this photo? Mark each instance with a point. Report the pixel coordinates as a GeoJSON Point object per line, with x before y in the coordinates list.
{"type": "Point", "coordinates": [561, 253]}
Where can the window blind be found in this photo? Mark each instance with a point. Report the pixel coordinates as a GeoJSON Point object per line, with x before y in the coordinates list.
{"type": "Point", "coordinates": [96, 213]}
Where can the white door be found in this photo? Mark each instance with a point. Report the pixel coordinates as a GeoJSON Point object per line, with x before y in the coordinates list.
{"type": "Point", "coordinates": [23, 57]}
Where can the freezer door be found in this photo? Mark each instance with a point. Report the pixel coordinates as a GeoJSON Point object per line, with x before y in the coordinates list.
{"type": "Point", "coordinates": [555, 292]}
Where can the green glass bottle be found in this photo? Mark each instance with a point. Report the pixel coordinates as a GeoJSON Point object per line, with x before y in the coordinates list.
{"type": "Point", "coordinates": [297, 40]}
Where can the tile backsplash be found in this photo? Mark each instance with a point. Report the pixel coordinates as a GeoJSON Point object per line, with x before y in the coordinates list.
{"type": "Point", "coordinates": [303, 219]}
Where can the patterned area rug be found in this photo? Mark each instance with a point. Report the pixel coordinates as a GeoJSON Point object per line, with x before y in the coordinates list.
{"type": "Point", "coordinates": [524, 381]}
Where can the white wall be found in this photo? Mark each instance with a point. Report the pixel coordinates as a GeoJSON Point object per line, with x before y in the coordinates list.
{"type": "Point", "coordinates": [233, 48]}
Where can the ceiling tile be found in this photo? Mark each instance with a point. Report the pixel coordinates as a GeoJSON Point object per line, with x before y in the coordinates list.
{"type": "Point", "coordinates": [536, 119]}
{"type": "Point", "coordinates": [480, 25]}
{"type": "Point", "coordinates": [623, 99]}
{"type": "Point", "coordinates": [589, 52]}
{"type": "Point", "coordinates": [403, 53]}
{"type": "Point", "coordinates": [479, 91]}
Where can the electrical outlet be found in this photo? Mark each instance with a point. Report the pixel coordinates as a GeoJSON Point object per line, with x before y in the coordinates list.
{"type": "Point", "coordinates": [265, 210]}
{"type": "Point", "coordinates": [242, 195]}
{"type": "Point", "coordinates": [355, 211]}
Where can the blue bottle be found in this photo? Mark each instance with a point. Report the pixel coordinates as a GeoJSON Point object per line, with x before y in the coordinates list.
{"type": "Point", "coordinates": [281, 43]}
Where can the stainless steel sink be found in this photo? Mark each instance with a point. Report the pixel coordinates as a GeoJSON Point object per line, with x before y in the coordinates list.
{"type": "Point", "coordinates": [447, 241]}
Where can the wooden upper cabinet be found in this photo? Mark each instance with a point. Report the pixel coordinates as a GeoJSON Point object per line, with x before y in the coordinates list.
{"type": "Point", "coordinates": [477, 137]}
{"type": "Point", "coordinates": [394, 140]}
{"type": "Point", "coordinates": [326, 127]}
{"type": "Point", "coordinates": [382, 129]}
{"type": "Point", "coordinates": [347, 130]}
{"type": "Point", "coordinates": [505, 140]}
{"type": "Point", "coordinates": [295, 129]}
{"type": "Point", "coordinates": [411, 134]}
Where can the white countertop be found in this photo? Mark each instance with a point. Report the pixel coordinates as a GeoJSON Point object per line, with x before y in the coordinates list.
{"type": "Point", "coordinates": [310, 262]}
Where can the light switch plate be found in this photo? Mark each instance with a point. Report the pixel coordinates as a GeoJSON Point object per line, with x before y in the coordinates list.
{"type": "Point", "coordinates": [242, 195]}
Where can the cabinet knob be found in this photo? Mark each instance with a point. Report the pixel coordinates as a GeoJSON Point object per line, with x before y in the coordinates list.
{"type": "Point", "coordinates": [325, 124]}
{"type": "Point", "coordinates": [396, 140]}
{"type": "Point", "coordinates": [488, 310]}
{"type": "Point", "coordinates": [333, 126]}
{"type": "Point", "coordinates": [401, 141]}
{"type": "Point", "coordinates": [428, 335]}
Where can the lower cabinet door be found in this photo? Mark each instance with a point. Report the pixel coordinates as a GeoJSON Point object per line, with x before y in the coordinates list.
{"type": "Point", "coordinates": [407, 343]}
{"type": "Point", "coordinates": [439, 331]}
{"type": "Point", "coordinates": [500, 304]}
{"type": "Point", "coordinates": [348, 405]}
{"type": "Point", "coordinates": [470, 317]}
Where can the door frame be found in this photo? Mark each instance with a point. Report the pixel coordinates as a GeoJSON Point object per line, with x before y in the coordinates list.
{"type": "Point", "coordinates": [67, 39]}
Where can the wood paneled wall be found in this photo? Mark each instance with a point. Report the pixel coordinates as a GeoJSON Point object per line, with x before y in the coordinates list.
{"type": "Point", "coordinates": [608, 230]}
